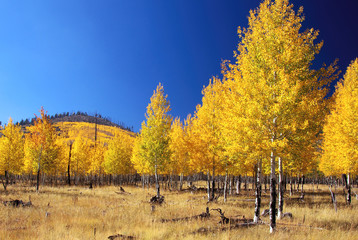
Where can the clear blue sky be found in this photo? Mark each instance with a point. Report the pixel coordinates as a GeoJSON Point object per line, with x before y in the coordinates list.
{"type": "Point", "coordinates": [108, 56]}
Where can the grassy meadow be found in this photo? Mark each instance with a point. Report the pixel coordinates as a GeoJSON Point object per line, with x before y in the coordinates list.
{"type": "Point", "coordinates": [82, 213]}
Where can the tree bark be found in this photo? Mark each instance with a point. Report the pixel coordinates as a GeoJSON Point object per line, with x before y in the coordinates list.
{"type": "Point", "coordinates": [213, 185]}
{"type": "Point", "coordinates": [349, 199]}
{"type": "Point", "coordinates": [209, 192]}
{"type": "Point", "coordinates": [273, 193]}
{"type": "Point", "coordinates": [302, 182]}
{"type": "Point", "coordinates": [238, 185]}
{"type": "Point", "coordinates": [181, 181]}
{"type": "Point", "coordinates": [258, 193]}
{"type": "Point", "coordinates": [157, 181]}
{"type": "Point", "coordinates": [6, 180]}
{"type": "Point", "coordinates": [280, 189]}
{"type": "Point", "coordinates": [69, 167]}
{"type": "Point", "coordinates": [225, 186]}
{"type": "Point", "coordinates": [38, 172]}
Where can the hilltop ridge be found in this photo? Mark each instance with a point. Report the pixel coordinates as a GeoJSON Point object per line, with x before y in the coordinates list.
{"type": "Point", "coordinates": [79, 117]}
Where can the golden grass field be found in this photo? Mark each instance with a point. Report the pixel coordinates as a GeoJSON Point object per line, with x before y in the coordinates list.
{"type": "Point", "coordinates": [82, 213]}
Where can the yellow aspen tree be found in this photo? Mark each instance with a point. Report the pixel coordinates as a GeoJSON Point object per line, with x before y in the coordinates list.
{"type": "Point", "coordinates": [80, 157]}
{"type": "Point", "coordinates": [206, 129]}
{"type": "Point", "coordinates": [154, 134]}
{"type": "Point", "coordinates": [117, 159]}
{"type": "Point", "coordinates": [179, 150]}
{"type": "Point", "coordinates": [340, 146]}
{"type": "Point", "coordinates": [11, 151]}
{"type": "Point", "coordinates": [242, 140]}
{"type": "Point", "coordinates": [138, 159]}
{"type": "Point", "coordinates": [41, 149]}
{"type": "Point", "coordinates": [96, 156]}
{"type": "Point", "coordinates": [274, 57]}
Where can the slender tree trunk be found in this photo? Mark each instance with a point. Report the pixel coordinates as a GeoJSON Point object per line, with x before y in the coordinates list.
{"type": "Point", "coordinates": [238, 185]}
{"type": "Point", "coordinates": [157, 181]}
{"type": "Point", "coordinates": [143, 181]}
{"type": "Point", "coordinates": [230, 185]}
{"type": "Point", "coordinates": [258, 193]}
{"type": "Point", "coordinates": [213, 185]}
{"type": "Point", "coordinates": [209, 192]}
{"type": "Point", "coordinates": [302, 183]}
{"type": "Point", "coordinates": [349, 199]}
{"type": "Point", "coordinates": [298, 183]}
{"type": "Point", "coordinates": [181, 181]}
{"type": "Point", "coordinates": [280, 189]}
{"type": "Point", "coordinates": [291, 186]}
{"type": "Point", "coordinates": [6, 180]}
{"type": "Point", "coordinates": [273, 193]}
{"type": "Point", "coordinates": [69, 167]}
{"type": "Point", "coordinates": [225, 186]}
{"type": "Point", "coordinates": [38, 172]}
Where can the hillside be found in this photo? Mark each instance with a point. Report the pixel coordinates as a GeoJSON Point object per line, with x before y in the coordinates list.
{"type": "Point", "coordinates": [71, 130]}
{"type": "Point", "coordinates": [71, 125]}
{"type": "Point", "coordinates": [79, 117]}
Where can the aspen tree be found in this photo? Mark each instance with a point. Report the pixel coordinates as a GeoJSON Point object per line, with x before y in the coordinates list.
{"type": "Point", "coordinates": [206, 129]}
{"type": "Point", "coordinates": [80, 157]}
{"type": "Point", "coordinates": [340, 146]}
{"type": "Point", "coordinates": [117, 157]}
{"type": "Point", "coordinates": [154, 135]}
{"type": "Point", "coordinates": [179, 150]}
{"type": "Point", "coordinates": [11, 151]}
{"type": "Point", "coordinates": [274, 58]}
{"type": "Point", "coordinates": [41, 149]}
{"type": "Point", "coordinates": [138, 159]}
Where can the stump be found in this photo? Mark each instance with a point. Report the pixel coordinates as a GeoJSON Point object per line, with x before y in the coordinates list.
{"type": "Point", "coordinates": [157, 200]}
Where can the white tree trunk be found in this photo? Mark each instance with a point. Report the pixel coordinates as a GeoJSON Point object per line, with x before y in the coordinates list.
{"type": "Point", "coordinates": [349, 199]}
{"type": "Point", "coordinates": [181, 181]}
{"type": "Point", "coordinates": [209, 192]}
{"type": "Point", "coordinates": [225, 187]}
{"type": "Point", "coordinates": [280, 189]}
{"type": "Point", "coordinates": [258, 193]}
{"type": "Point", "coordinates": [157, 181]}
{"type": "Point", "coordinates": [273, 193]}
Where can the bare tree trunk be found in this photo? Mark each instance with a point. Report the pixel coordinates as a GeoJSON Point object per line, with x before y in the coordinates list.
{"type": "Point", "coordinates": [291, 186]}
{"type": "Point", "coordinates": [209, 192]}
{"type": "Point", "coordinates": [69, 167]}
{"type": "Point", "coordinates": [280, 189]}
{"type": "Point", "coordinates": [349, 199]}
{"type": "Point", "coordinates": [143, 181]}
{"type": "Point", "coordinates": [238, 184]}
{"type": "Point", "coordinates": [258, 193]}
{"type": "Point", "coordinates": [230, 185]}
{"type": "Point", "coordinates": [181, 181]}
{"type": "Point", "coordinates": [273, 193]}
{"type": "Point", "coordinates": [213, 185]}
{"type": "Point", "coordinates": [225, 186]}
{"type": "Point", "coordinates": [157, 186]}
{"type": "Point", "coordinates": [302, 182]}
{"type": "Point", "coordinates": [6, 180]}
{"type": "Point", "coordinates": [38, 171]}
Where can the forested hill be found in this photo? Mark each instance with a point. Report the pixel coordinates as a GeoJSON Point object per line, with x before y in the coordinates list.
{"type": "Point", "coordinates": [80, 117]}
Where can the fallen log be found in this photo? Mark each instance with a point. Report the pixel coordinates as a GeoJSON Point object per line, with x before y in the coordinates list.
{"type": "Point", "coordinates": [204, 230]}
{"type": "Point", "coordinates": [17, 203]}
{"type": "Point", "coordinates": [120, 236]}
{"type": "Point", "coordinates": [202, 215]}
{"type": "Point", "coordinates": [225, 220]}
{"type": "Point", "coordinates": [157, 200]}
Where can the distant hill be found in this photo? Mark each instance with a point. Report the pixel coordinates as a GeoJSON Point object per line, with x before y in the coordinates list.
{"type": "Point", "coordinates": [79, 117]}
{"type": "Point", "coordinates": [86, 130]}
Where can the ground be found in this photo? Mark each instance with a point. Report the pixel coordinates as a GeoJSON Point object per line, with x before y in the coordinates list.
{"type": "Point", "coordinates": [83, 213]}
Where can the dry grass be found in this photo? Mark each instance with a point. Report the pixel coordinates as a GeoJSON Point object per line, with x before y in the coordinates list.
{"type": "Point", "coordinates": [79, 213]}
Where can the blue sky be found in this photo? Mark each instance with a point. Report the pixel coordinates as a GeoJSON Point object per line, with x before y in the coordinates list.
{"type": "Point", "coordinates": [108, 56]}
